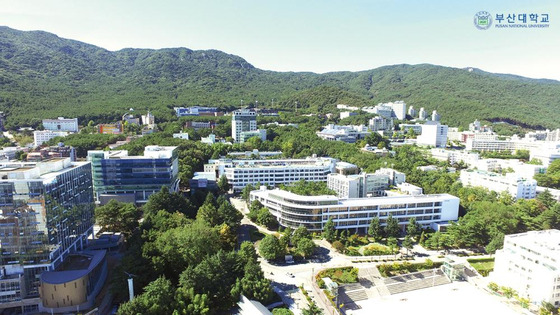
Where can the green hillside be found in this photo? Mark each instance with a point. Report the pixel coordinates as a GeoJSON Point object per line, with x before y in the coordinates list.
{"type": "Point", "coordinates": [42, 75]}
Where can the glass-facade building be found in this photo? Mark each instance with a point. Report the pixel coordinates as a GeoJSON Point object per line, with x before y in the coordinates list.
{"type": "Point", "coordinates": [133, 178]}
{"type": "Point", "coordinates": [46, 213]}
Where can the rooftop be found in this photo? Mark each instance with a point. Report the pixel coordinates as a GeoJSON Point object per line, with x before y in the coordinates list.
{"type": "Point", "coordinates": [550, 239]}
{"type": "Point", "coordinates": [74, 267]}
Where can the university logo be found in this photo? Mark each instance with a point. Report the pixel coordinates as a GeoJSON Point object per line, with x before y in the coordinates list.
{"type": "Point", "coordinates": [483, 20]}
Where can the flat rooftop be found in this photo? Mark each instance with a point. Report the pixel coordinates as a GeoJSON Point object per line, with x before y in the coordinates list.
{"type": "Point", "coordinates": [549, 239]}
{"type": "Point", "coordinates": [457, 298]}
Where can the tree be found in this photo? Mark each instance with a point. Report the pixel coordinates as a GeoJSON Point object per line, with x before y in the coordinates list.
{"type": "Point", "coordinates": [223, 185]}
{"type": "Point", "coordinates": [190, 303]}
{"type": "Point", "coordinates": [412, 228]}
{"type": "Point", "coordinates": [282, 311]}
{"type": "Point", "coordinates": [329, 230]}
{"type": "Point", "coordinates": [407, 243]}
{"type": "Point", "coordinates": [546, 199]}
{"type": "Point", "coordinates": [265, 218]}
{"type": "Point", "coordinates": [305, 247]}
{"type": "Point", "coordinates": [228, 214]}
{"type": "Point", "coordinates": [496, 243]}
{"type": "Point", "coordinates": [312, 309]}
{"type": "Point", "coordinates": [392, 228]}
{"type": "Point", "coordinates": [375, 229]}
{"type": "Point", "coordinates": [118, 217]}
{"type": "Point", "coordinates": [246, 191]}
{"type": "Point", "coordinates": [300, 233]}
{"type": "Point", "coordinates": [338, 246]}
{"type": "Point", "coordinates": [247, 252]}
{"type": "Point", "coordinates": [392, 243]}
{"type": "Point", "coordinates": [508, 292]}
{"type": "Point", "coordinates": [254, 285]}
{"type": "Point", "coordinates": [158, 298]}
{"type": "Point", "coordinates": [170, 202]}
{"type": "Point", "coordinates": [270, 248]}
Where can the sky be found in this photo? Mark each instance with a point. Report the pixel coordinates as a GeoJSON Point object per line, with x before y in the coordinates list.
{"type": "Point", "coordinates": [310, 35]}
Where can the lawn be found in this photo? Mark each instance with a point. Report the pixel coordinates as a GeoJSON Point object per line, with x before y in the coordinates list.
{"type": "Point", "coordinates": [483, 265]}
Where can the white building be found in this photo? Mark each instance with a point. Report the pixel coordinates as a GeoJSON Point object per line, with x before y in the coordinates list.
{"type": "Point", "coordinates": [148, 119]}
{"type": "Point", "coordinates": [433, 134]}
{"type": "Point", "coordinates": [389, 110]}
{"type": "Point", "coordinates": [417, 128]}
{"type": "Point", "coordinates": [411, 112]}
{"type": "Point", "coordinates": [347, 114]}
{"type": "Point", "coordinates": [399, 109]}
{"type": "Point", "coordinates": [61, 124]}
{"type": "Point", "coordinates": [246, 135]}
{"type": "Point", "coordinates": [380, 123]}
{"type": "Point", "coordinates": [42, 136]}
{"type": "Point", "coordinates": [181, 135]}
{"type": "Point", "coordinates": [358, 185]}
{"type": "Point", "coordinates": [516, 186]}
{"type": "Point", "coordinates": [547, 153]}
{"type": "Point", "coordinates": [240, 173]}
{"type": "Point", "coordinates": [553, 135]}
{"type": "Point", "coordinates": [422, 115]}
{"type": "Point", "coordinates": [454, 156]}
{"type": "Point", "coordinates": [347, 134]}
{"type": "Point", "coordinates": [313, 212]}
{"type": "Point", "coordinates": [243, 120]}
{"type": "Point", "coordinates": [395, 177]}
{"type": "Point", "coordinates": [435, 116]}
{"type": "Point", "coordinates": [529, 263]}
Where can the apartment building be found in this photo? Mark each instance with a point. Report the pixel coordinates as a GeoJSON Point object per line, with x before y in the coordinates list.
{"type": "Point", "coordinates": [42, 136]}
{"type": "Point", "coordinates": [61, 124]}
{"type": "Point", "coordinates": [313, 212]}
{"type": "Point", "coordinates": [240, 173]}
{"type": "Point", "coordinates": [529, 263]}
{"type": "Point", "coordinates": [517, 186]}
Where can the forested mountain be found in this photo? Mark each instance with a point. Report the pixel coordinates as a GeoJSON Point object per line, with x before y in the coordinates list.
{"type": "Point", "coordinates": [42, 75]}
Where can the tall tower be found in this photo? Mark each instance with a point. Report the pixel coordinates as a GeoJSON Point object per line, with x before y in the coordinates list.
{"type": "Point", "coordinates": [422, 114]}
{"type": "Point", "coordinates": [243, 120]}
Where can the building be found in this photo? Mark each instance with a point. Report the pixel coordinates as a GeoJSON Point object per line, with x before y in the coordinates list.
{"type": "Point", "coordinates": [197, 111]}
{"type": "Point", "coordinates": [348, 134]}
{"type": "Point", "coordinates": [203, 181]}
{"type": "Point", "coordinates": [255, 154]}
{"type": "Point", "coordinates": [243, 120]}
{"type": "Point", "coordinates": [313, 212]}
{"type": "Point", "coordinates": [389, 110]}
{"type": "Point", "coordinates": [112, 129]}
{"type": "Point", "coordinates": [395, 177]}
{"type": "Point", "coordinates": [553, 135]}
{"type": "Point", "coordinates": [454, 156]}
{"type": "Point", "coordinates": [61, 124]}
{"type": "Point", "coordinates": [46, 213]}
{"type": "Point", "coordinates": [422, 115]}
{"type": "Point", "coordinates": [380, 123]}
{"type": "Point", "coordinates": [435, 116]}
{"type": "Point", "coordinates": [133, 178]}
{"type": "Point", "coordinates": [417, 128]}
{"type": "Point", "coordinates": [411, 112]}
{"type": "Point", "coordinates": [347, 114]}
{"type": "Point", "coordinates": [42, 136]}
{"type": "Point", "coordinates": [343, 106]}
{"type": "Point", "coordinates": [516, 186]}
{"type": "Point", "coordinates": [241, 173]}
{"type": "Point", "coordinates": [181, 135]}
{"type": "Point", "coordinates": [130, 119]}
{"type": "Point", "coordinates": [75, 284]}
{"type": "Point", "coordinates": [211, 139]}
{"type": "Point", "coordinates": [546, 153]}
{"type": "Point", "coordinates": [358, 185]}
{"type": "Point", "coordinates": [148, 119]}
{"type": "Point", "coordinates": [246, 135]}
{"type": "Point", "coordinates": [528, 263]}
{"type": "Point", "coordinates": [197, 125]}
{"type": "Point", "coordinates": [433, 134]}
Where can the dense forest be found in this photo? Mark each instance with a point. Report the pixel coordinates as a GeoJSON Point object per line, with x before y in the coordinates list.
{"type": "Point", "coordinates": [44, 76]}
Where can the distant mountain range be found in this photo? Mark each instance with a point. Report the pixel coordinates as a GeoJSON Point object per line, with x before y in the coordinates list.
{"type": "Point", "coordinates": [43, 75]}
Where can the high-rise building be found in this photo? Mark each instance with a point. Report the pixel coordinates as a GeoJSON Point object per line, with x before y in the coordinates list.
{"type": "Point", "coordinates": [358, 185]}
{"type": "Point", "coordinates": [433, 134]}
{"type": "Point", "coordinates": [435, 116]}
{"type": "Point", "coordinates": [148, 119]}
{"type": "Point", "coordinates": [243, 120]}
{"type": "Point", "coordinates": [46, 213]}
{"type": "Point", "coordinates": [422, 115]}
{"type": "Point", "coordinates": [411, 112]}
{"type": "Point", "coordinates": [528, 263]}
{"type": "Point", "coordinates": [61, 124]}
{"type": "Point", "coordinates": [133, 178]}
{"type": "Point", "coordinates": [517, 186]}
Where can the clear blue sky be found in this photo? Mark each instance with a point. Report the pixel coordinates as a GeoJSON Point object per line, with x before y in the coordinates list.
{"type": "Point", "coordinates": [309, 35]}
